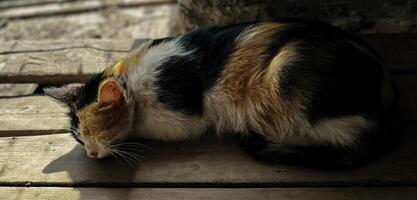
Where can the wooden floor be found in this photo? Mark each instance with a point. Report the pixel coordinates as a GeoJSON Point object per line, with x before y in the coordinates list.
{"type": "Point", "coordinates": [38, 20]}
{"type": "Point", "coordinates": [40, 160]}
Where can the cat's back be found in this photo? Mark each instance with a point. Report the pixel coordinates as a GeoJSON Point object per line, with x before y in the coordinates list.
{"type": "Point", "coordinates": [282, 76]}
{"type": "Point", "coordinates": [278, 79]}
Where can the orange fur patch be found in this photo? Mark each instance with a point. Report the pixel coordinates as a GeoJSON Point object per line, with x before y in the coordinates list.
{"type": "Point", "coordinates": [103, 123]}
{"type": "Point", "coordinates": [122, 67]}
{"type": "Point", "coordinates": [243, 79]}
{"type": "Point", "coordinates": [253, 87]}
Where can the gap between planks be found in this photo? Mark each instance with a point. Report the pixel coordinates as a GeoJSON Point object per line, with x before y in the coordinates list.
{"type": "Point", "coordinates": [404, 193]}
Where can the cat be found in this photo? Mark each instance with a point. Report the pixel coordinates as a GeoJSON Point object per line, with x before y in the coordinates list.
{"type": "Point", "coordinates": [293, 91]}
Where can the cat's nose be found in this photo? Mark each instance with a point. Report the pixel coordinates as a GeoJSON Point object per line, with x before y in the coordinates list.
{"type": "Point", "coordinates": [92, 154]}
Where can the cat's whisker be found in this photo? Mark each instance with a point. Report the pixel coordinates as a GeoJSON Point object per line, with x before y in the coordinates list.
{"type": "Point", "coordinates": [126, 154]}
{"type": "Point", "coordinates": [130, 145]}
{"type": "Point", "coordinates": [135, 157]}
{"type": "Point", "coordinates": [137, 145]}
{"type": "Point", "coordinates": [114, 155]}
{"type": "Point", "coordinates": [122, 156]}
{"type": "Point", "coordinates": [131, 149]}
{"type": "Point", "coordinates": [131, 155]}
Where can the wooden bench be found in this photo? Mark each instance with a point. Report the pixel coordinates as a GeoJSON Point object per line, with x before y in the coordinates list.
{"type": "Point", "coordinates": [40, 160]}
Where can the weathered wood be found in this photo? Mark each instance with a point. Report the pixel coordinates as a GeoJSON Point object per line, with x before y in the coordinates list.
{"type": "Point", "coordinates": [59, 160]}
{"type": "Point", "coordinates": [58, 61]}
{"type": "Point", "coordinates": [33, 115]}
{"type": "Point", "coordinates": [15, 47]}
{"type": "Point", "coordinates": [7, 4]}
{"type": "Point", "coordinates": [13, 3]}
{"type": "Point", "coordinates": [17, 89]}
{"type": "Point", "coordinates": [114, 22]}
{"type": "Point", "coordinates": [12, 193]}
{"type": "Point", "coordinates": [42, 10]}
{"type": "Point", "coordinates": [76, 61]}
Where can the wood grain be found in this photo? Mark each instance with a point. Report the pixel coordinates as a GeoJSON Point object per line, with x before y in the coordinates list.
{"type": "Point", "coordinates": [59, 160]}
{"type": "Point", "coordinates": [39, 9]}
{"type": "Point", "coordinates": [31, 115]}
{"type": "Point", "coordinates": [12, 193]}
{"type": "Point", "coordinates": [17, 89]}
{"type": "Point", "coordinates": [58, 61]}
{"type": "Point", "coordinates": [112, 23]}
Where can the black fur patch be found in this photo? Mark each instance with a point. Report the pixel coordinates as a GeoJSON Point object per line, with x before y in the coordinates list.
{"type": "Point", "coordinates": [180, 85]}
{"type": "Point", "coordinates": [84, 96]}
{"type": "Point", "coordinates": [88, 92]}
{"type": "Point", "coordinates": [341, 78]}
{"type": "Point", "coordinates": [184, 80]}
{"type": "Point", "coordinates": [213, 47]}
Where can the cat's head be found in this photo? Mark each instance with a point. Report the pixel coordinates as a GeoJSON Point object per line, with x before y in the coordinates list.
{"type": "Point", "coordinates": [100, 113]}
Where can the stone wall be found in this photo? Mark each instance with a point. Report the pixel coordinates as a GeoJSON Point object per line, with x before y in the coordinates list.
{"type": "Point", "coordinates": [357, 16]}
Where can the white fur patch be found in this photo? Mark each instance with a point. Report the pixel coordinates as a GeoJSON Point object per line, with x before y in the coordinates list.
{"type": "Point", "coordinates": [342, 131]}
{"type": "Point", "coordinates": [155, 120]}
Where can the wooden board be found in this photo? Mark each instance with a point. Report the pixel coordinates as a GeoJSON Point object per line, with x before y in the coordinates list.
{"type": "Point", "coordinates": [58, 61]}
{"type": "Point", "coordinates": [76, 61]}
{"type": "Point", "coordinates": [12, 193]}
{"type": "Point", "coordinates": [52, 9]}
{"type": "Point", "coordinates": [406, 92]}
{"type": "Point", "coordinates": [59, 160]}
{"type": "Point", "coordinates": [34, 115]}
{"type": "Point", "coordinates": [110, 23]}
{"type": "Point", "coordinates": [397, 50]}
{"type": "Point", "coordinates": [17, 89]}
{"type": "Point", "coordinates": [31, 115]}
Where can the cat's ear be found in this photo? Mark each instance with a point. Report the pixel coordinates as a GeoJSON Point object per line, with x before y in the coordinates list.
{"type": "Point", "coordinates": [64, 94]}
{"type": "Point", "coordinates": [110, 93]}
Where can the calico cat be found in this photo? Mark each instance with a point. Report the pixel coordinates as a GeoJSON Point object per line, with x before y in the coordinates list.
{"type": "Point", "coordinates": [293, 91]}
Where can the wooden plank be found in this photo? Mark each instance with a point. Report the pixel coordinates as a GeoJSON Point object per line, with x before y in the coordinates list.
{"type": "Point", "coordinates": [406, 92]}
{"type": "Point", "coordinates": [31, 115]}
{"type": "Point", "coordinates": [14, 3]}
{"type": "Point", "coordinates": [58, 61]}
{"type": "Point", "coordinates": [17, 89]}
{"type": "Point", "coordinates": [17, 47]}
{"type": "Point", "coordinates": [34, 115]}
{"type": "Point", "coordinates": [75, 61]}
{"type": "Point", "coordinates": [397, 50]}
{"type": "Point", "coordinates": [42, 10]}
{"type": "Point", "coordinates": [59, 160]}
{"type": "Point", "coordinates": [116, 23]}
{"type": "Point", "coordinates": [403, 193]}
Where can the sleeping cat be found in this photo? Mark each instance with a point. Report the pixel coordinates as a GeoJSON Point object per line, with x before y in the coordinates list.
{"type": "Point", "coordinates": [293, 91]}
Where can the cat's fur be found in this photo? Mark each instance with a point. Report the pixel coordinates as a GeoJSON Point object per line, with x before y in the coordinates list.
{"type": "Point", "coordinates": [294, 91]}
